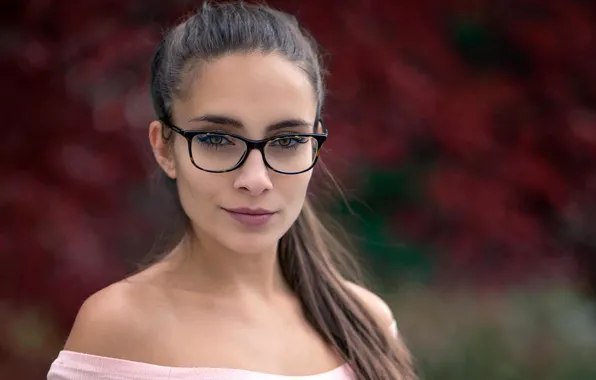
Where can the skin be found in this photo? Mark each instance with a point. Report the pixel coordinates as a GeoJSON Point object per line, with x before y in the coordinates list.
{"type": "Point", "coordinates": [219, 299]}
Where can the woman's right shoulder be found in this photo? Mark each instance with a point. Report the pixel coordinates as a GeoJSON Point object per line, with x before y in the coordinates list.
{"type": "Point", "coordinates": [110, 322]}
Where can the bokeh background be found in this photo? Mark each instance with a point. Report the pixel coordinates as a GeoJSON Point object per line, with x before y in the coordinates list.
{"type": "Point", "coordinates": [463, 131]}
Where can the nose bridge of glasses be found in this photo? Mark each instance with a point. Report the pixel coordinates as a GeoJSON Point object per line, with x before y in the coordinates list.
{"type": "Point", "coordinates": [255, 145]}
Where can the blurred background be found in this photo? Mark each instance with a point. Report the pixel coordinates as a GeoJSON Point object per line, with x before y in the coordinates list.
{"type": "Point", "coordinates": [463, 131]}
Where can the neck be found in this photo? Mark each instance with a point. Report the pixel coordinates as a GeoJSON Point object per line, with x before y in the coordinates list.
{"type": "Point", "coordinates": [207, 267]}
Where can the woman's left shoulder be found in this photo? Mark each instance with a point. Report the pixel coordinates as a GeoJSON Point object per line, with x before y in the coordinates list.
{"type": "Point", "coordinates": [375, 304]}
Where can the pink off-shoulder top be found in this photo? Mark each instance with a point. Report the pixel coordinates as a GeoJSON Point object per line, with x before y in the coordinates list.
{"type": "Point", "coordinates": [71, 365]}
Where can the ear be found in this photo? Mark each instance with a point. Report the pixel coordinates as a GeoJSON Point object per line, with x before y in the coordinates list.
{"type": "Point", "coordinates": [162, 148]}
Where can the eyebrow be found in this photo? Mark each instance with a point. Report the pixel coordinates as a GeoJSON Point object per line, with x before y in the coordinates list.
{"type": "Point", "coordinates": [225, 120]}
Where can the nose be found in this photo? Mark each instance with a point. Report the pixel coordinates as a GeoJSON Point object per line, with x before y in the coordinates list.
{"type": "Point", "coordinates": [253, 175]}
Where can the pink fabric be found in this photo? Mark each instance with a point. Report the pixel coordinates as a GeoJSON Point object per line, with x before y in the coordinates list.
{"type": "Point", "coordinates": [77, 366]}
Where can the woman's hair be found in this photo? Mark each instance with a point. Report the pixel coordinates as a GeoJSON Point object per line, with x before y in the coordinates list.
{"type": "Point", "coordinates": [309, 254]}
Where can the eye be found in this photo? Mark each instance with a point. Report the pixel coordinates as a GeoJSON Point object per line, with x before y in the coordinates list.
{"type": "Point", "coordinates": [213, 140]}
{"type": "Point", "coordinates": [289, 142]}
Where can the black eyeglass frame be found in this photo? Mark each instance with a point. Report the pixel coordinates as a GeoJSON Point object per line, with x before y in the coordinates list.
{"type": "Point", "coordinates": [250, 145]}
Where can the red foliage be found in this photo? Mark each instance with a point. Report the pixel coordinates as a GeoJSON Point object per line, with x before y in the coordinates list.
{"type": "Point", "coordinates": [74, 137]}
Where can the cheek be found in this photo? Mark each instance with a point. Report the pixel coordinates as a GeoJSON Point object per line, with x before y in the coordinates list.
{"type": "Point", "coordinates": [197, 189]}
{"type": "Point", "coordinates": [293, 190]}
{"type": "Point", "coordinates": [192, 196]}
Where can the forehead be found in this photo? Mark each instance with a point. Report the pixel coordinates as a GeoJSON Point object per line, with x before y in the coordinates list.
{"type": "Point", "coordinates": [254, 88]}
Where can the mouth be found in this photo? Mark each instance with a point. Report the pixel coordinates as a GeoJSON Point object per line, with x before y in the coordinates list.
{"type": "Point", "coordinates": [251, 217]}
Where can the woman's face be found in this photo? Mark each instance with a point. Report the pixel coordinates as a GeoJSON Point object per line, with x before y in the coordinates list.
{"type": "Point", "coordinates": [247, 95]}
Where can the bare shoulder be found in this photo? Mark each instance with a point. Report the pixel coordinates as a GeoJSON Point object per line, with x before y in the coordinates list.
{"type": "Point", "coordinates": [108, 323]}
{"type": "Point", "coordinates": [375, 304]}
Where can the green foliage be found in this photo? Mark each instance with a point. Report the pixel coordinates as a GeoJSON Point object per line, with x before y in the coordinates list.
{"type": "Point", "coordinates": [369, 215]}
{"type": "Point", "coordinates": [546, 333]}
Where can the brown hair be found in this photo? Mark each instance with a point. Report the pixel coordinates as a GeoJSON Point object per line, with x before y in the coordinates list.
{"type": "Point", "coordinates": [311, 257]}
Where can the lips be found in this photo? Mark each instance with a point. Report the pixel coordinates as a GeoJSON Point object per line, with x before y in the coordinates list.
{"type": "Point", "coordinates": [251, 217]}
{"type": "Point", "coordinates": [250, 211]}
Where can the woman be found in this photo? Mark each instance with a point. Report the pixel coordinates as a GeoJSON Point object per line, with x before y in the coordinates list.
{"type": "Point", "coordinates": [251, 290]}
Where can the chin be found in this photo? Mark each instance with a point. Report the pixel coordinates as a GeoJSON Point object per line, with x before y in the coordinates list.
{"type": "Point", "coordinates": [252, 243]}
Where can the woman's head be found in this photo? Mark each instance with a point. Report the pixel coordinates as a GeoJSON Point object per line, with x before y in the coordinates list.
{"type": "Point", "coordinates": [233, 77]}
{"type": "Point", "coordinates": [245, 72]}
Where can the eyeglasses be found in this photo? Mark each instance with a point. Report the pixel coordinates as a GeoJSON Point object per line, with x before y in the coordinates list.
{"type": "Point", "coordinates": [220, 152]}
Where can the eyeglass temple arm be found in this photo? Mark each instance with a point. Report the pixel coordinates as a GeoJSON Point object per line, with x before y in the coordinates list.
{"type": "Point", "coordinates": [319, 120]}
